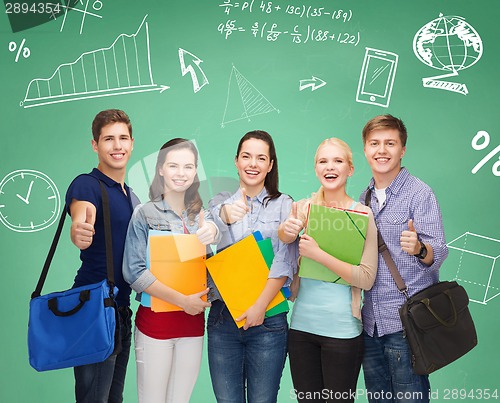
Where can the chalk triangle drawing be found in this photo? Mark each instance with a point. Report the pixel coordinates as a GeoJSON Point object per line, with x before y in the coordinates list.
{"type": "Point", "coordinates": [244, 100]}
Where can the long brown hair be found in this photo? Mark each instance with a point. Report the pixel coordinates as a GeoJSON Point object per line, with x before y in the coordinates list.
{"type": "Point", "coordinates": [192, 198]}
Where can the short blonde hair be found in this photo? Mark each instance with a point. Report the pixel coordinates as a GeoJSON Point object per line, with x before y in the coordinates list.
{"type": "Point", "coordinates": [339, 143]}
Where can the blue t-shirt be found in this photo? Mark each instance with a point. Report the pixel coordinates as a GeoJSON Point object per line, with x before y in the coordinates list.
{"type": "Point", "coordinates": [93, 269]}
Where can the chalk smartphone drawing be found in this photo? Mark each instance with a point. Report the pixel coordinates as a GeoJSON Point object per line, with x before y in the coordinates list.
{"type": "Point", "coordinates": [377, 77]}
{"type": "Point", "coordinates": [475, 257]}
{"type": "Point", "coordinates": [449, 44]}
{"type": "Point", "coordinates": [29, 201]}
{"type": "Point", "coordinates": [122, 68]}
{"type": "Point", "coordinates": [244, 100]}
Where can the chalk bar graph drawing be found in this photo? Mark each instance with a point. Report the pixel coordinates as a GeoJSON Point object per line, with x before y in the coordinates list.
{"type": "Point", "coordinates": [244, 100]}
{"type": "Point", "coordinates": [122, 68]}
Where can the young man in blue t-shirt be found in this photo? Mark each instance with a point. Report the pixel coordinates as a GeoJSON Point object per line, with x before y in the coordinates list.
{"type": "Point", "coordinates": [113, 143]}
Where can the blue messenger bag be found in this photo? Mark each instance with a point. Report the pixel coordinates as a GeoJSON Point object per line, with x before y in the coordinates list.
{"type": "Point", "coordinates": [78, 326]}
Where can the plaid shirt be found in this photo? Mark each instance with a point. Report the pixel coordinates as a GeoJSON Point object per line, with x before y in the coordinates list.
{"type": "Point", "coordinates": [407, 198]}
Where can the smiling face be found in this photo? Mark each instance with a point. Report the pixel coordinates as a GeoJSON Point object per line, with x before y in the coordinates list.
{"type": "Point", "coordinates": [178, 170]}
{"type": "Point", "coordinates": [384, 151]}
{"type": "Point", "coordinates": [114, 149]}
{"type": "Point", "coordinates": [253, 163]}
{"type": "Point", "coordinates": [333, 166]}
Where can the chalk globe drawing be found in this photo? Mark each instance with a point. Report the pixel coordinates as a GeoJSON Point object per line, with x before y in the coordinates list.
{"type": "Point", "coordinates": [448, 43]}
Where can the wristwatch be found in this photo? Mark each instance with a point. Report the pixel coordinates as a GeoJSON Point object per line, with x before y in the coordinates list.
{"type": "Point", "coordinates": [423, 251]}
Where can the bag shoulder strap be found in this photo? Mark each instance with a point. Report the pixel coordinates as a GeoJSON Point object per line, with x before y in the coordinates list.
{"type": "Point", "coordinates": [384, 251]}
{"type": "Point", "coordinates": [57, 235]}
{"type": "Point", "coordinates": [108, 238]}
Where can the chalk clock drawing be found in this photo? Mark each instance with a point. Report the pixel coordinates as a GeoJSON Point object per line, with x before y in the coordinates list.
{"type": "Point", "coordinates": [244, 100]}
{"type": "Point", "coordinates": [449, 44]}
{"type": "Point", "coordinates": [122, 68]}
{"type": "Point", "coordinates": [29, 201]}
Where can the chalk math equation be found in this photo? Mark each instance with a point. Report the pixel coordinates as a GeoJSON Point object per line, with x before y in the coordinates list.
{"type": "Point", "coordinates": [272, 31]}
{"type": "Point", "coordinates": [301, 10]}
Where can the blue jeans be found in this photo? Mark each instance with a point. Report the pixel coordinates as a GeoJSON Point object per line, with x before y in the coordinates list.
{"type": "Point", "coordinates": [250, 359]}
{"type": "Point", "coordinates": [388, 371]}
{"type": "Point", "coordinates": [103, 382]}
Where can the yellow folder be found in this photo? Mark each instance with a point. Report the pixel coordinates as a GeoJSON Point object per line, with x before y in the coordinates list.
{"type": "Point", "coordinates": [178, 261]}
{"type": "Point", "coordinates": [339, 232]}
{"type": "Point", "coordinates": [240, 273]}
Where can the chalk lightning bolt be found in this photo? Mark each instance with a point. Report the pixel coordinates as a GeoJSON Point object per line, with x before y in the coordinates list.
{"type": "Point", "coordinates": [197, 75]}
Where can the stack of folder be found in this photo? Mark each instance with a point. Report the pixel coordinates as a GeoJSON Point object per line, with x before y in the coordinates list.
{"type": "Point", "coordinates": [339, 232]}
{"type": "Point", "coordinates": [240, 273]}
{"type": "Point", "coordinates": [177, 261]}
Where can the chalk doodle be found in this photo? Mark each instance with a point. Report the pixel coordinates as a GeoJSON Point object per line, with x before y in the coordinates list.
{"type": "Point", "coordinates": [377, 77]}
{"type": "Point", "coordinates": [478, 146]}
{"type": "Point", "coordinates": [475, 257]}
{"type": "Point", "coordinates": [197, 74]}
{"type": "Point", "coordinates": [449, 44]}
{"type": "Point", "coordinates": [122, 68]}
{"type": "Point", "coordinates": [29, 201]}
{"type": "Point", "coordinates": [244, 101]}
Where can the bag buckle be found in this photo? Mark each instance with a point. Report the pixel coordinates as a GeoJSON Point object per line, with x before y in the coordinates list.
{"type": "Point", "coordinates": [405, 292]}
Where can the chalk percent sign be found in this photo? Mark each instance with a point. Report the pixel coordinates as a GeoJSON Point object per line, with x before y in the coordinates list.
{"type": "Point", "coordinates": [26, 51]}
{"type": "Point", "coordinates": [479, 142]}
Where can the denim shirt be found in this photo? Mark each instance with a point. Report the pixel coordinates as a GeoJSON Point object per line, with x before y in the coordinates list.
{"type": "Point", "coordinates": [151, 216]}
{"type": "Point", "coordinates": [262, 217]}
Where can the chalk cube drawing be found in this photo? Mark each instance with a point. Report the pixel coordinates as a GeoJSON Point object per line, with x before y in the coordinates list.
{"type": "Point", "coordinates": [475, 257]}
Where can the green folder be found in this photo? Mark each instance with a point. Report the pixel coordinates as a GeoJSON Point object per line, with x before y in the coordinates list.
{"type": "Point", "coordinates": [266, 248]}
{"type": "Point", "coordinates": [341, 233]}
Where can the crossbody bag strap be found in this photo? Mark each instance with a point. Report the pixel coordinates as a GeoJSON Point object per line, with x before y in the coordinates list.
{"type": "Point", "coordinates": [108, 237]}
{"type": "Point", "coordinates": [384, 251]}
{"type": "Point", "coordinates": [57, 236]}
{"type": "Point", "coordinates": [50, 255]}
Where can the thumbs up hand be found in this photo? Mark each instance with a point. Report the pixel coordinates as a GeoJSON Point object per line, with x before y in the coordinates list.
{"type": "Point", "coordinates": [206, 231]}
{"type": "Point", "coordinates": [236, 211]}
{"type": "Point", "coordinates": [292, 225]}
{"type": "Point", "coordinates": [82, 233]}
{"type": "Point", "coordinates": [409, 240]}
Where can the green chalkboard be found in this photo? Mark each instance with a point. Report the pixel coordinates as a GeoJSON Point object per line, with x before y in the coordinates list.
{"type": "Point", "coordinates": [211, 70]}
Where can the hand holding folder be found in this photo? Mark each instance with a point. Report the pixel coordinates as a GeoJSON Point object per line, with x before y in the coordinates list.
{"type": "Point", "coordinates": [240, 273]}
{"type": "Point", "coordinates": [178, 261]}
{"type": "Point", "coordinates": [339, 232]}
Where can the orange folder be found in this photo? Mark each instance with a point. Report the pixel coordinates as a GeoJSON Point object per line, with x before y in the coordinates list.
{"type": "Point", "coordinates": [240, 274]}
{"type": "Point", "coordinates": [178, 261]}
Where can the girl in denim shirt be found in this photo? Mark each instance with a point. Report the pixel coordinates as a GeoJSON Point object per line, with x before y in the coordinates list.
{"type": "Point", "coordinates": [168, 345]}
{"type": "Point", "coordinates": [247, 363]}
